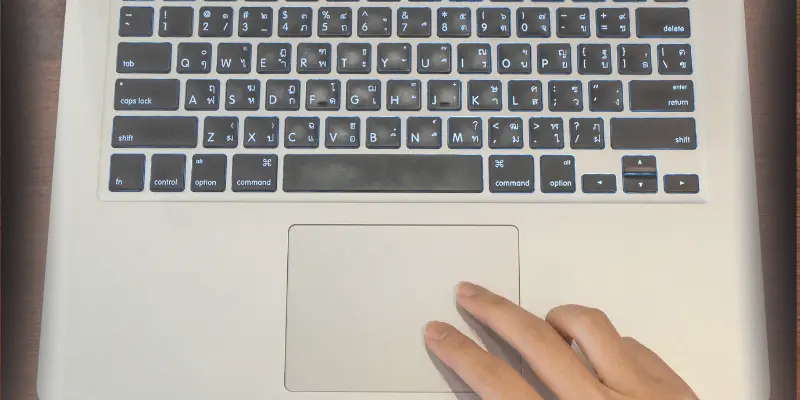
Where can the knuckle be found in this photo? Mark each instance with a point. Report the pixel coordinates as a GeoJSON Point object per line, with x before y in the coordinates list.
{"type": "Point", "coordinates": [492, 375]}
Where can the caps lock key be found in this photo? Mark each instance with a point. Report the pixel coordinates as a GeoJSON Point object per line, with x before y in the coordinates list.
{"type": "Point", "coordinates": [147, 94]}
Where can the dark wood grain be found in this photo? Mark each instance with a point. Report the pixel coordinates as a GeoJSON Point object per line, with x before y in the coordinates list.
{"type": "Point", "coordinates": [31, 44]}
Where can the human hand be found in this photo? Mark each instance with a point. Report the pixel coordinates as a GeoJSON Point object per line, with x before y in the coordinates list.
{"type": "Point", "coordinates": [626, 369]}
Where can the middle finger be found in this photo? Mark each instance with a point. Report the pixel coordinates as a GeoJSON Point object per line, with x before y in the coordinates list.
{"type": "Point", "coordinates": [545, 351]}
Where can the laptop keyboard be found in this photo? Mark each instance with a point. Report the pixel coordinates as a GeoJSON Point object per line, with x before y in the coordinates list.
{"type": "Point", "coordinates": [484, 98]}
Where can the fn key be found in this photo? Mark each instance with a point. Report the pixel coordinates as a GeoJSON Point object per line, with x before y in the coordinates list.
{"type": "Point", "coordinates": [126, 173]}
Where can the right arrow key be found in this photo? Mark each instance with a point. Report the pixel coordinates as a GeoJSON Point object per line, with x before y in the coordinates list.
{"type": "Point", "coordinates": [682, 184]}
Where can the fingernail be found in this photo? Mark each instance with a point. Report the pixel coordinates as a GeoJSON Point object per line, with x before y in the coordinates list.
{"type": "Point", "coordinates": [467, 289]}
{"type": "Point", "coordinates": [436, 330]}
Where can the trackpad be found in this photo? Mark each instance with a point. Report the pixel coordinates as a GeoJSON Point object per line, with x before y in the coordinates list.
{"type": "Point", "coordinates": [358, 298]}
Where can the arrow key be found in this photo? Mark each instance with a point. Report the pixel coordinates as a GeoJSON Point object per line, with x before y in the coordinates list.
{"type": "Point", "coordinates": [640, 184]}
{"type": "Point", "coordinates": [599, 183]}
{"type": "Point", "coordinates": [682, 184]}
{"type": "Point", "coordinates": [639, 165]}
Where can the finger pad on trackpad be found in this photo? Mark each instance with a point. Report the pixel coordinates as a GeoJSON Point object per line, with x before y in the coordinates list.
{"type": "Point", "coordinates": [358, 298]}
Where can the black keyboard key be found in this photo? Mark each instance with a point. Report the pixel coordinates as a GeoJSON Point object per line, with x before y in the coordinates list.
{"type": "Point", "coordinates": [147, 94]}
{"type": "Point", "coordinates": [234, 58]}
{"type": "Point", "coordinates": [573, 22]}
{"type": "Point", "coordinates": [555, 58]}
{"type": "Point", "coordinates": [202, 95]}
{"type": "Point", "coordinates": [323, 94]}
{"type": "Point", "coordinates": [505, 133]}
{"type": "Point", "coordinates": [546, 133]}
{"type": "Point", "coordinates": [454, 22]}
{"type": "Point", "coordinates": [194, 58]}
{"type": "Point", "coordinates": [216, 22]}
{"type": "Point", "coordinates": [653, 134]}
{"type": "Point", "coordinates": [465, 133]}
{"type": "Point", "coordinates": [533, 22]}
{"type": "Point", "coordinates": [403, 95]}
{"type": "Point", "coordinates": [383, 132]}
{"type": "Point", "coordinates": [295, 21]}
{"type": "Point", "coordinates": [639, 165]}
{"type": "Point", "coordinates": [136, 21]}
{"type": "Point", "coordinates": [657, 22]}
{"type": "Point", "coordinates": [274, 58]}
{"type": "Point", "coordinates": [667, 96]}
{"type": "Point", "coordinates": [634, 59]}
{"type": "Point", "coordinates": [674, 59]}
{"type": "Point", "coordinates": [557, 174]}
{"type": "Point", "coordinates": [640, 184]}
{"type": "Point", "coordinates": [261, 132]}
{"type": "Point", "coordinates": [254, 173]}
{"type": "Point", "coordinates": [587, 133]}
{"type": "Point", "coordinates": [594, 59]}
{"type": "Point", "coordinates": [154, 132]}
{"type": "Point", "coordinates": [354, 58]}
{"type": "Point", "coordinates": [682, 184]}
{"type": "Point", "coordinates": [485, 95]}
{"type": "Point", "coordinates": [301, 132]}
{"type": "Point", "coordinates": [514, 58]}
{"type": "Point", "coordinates": [394, 58]}
{"type": "Point", "coordinates": [494, 22]}
{"type": "Point", "coordinates": [525, 96]}
{"type": "Point", "coordinates": [220, 132]}
{"type": "Point", "coordinates": [474, 58]}
{"type": "Point", "coordinates": [613, 23]}
{"type": "Point", "coordinates": [599, 183]}
{"type": "Point", "coordinates": [444, 95]}
{"type": "Point", "coordinates": [363, 95]}
{"type": "Point", "coordinates": [209, 172]}
{"type": "Point", "coordinates": [255, 22]}
{"type": "Point", "coordinates": [335, 22]}
{"type": "Point", "coordinates": [424, 132]}
{"type": "Point", "coordinates": [605, 96]}
{"type": "Point", "coordinates": [414, 22]}
{"type": "Point", "coordinates": [168, 173]}
{"type": "Point", "coordinates": [374, 22]}
{"type": "Point", "coordinates": [283, 95]}
{"type": "Point", "coordinates": [566, 95]}
{"type": "Point", "coordinates": [342, 132]}
{"type": "Point", "coordinates": [148, 58]}
{"type": "Point", "coordinates": [126, 173]}
{"type": "Point", "coordinates": [314, 58]}
{"type": "Point", "coordinates": [434, 58]}
{"type": "Point", "coordinates": [243, 95]}
{"type": "Point", "coordinates": [511, 174]}
{"type": "Point", "coordinates": [396, 173]}
{"type": "Point", "coordinates": [176, 22]}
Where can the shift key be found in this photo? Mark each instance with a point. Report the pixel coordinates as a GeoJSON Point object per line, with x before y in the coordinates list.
{"type": "Point", "coordinates": [662, 96]}
{"type": "Point", "coordinates": [147, 94]}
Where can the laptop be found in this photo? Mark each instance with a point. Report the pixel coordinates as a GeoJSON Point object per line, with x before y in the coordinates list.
{"type": "Point", "coordinates": [269, 199]}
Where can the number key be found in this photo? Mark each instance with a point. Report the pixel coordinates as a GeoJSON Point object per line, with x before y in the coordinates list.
{"type": "Point", "coordinates": [255, 21]}
{"type": "Point", "coordinates": [216, 22]}
{"type": "Point", "coordinates": [494, 22]}
{"type": "Point", "coordinates": [374, 22]}
{"type": "Point", "coordinates": [414, 22]}
{"type": "Point", "coordinates": [295, 21]}
{"type": "Point", "coordinates": [334, 22]}
{"type": "Point", "coordinates": [176, 22]}
{"type": "Point", "coordinates": [454, 22]}
{"type": "Point", "coordinates": [533, 22]}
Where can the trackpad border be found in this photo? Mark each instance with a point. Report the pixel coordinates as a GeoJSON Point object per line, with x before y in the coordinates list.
{"type": "Point", "coordinates": [343, 279]}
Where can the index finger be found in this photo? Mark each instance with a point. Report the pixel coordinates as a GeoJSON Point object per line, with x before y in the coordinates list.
{"type": "Point", "coordinates": [489, 376]}
{"type": "Point", "coordinates": [548, 355]}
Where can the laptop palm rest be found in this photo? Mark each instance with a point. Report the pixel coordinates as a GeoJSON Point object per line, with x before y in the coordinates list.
{"type": "Point", "coordinates": [358, 298]}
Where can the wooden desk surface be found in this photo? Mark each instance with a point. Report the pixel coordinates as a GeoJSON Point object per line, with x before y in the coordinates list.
{"type": "Point", "coordinates": [32, 31]}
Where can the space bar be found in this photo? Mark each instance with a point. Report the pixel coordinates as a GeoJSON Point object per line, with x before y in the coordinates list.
{"type": "Point", "coordinates": [392, 173]}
